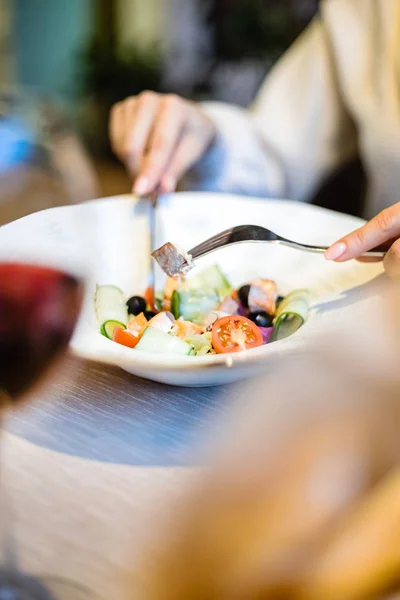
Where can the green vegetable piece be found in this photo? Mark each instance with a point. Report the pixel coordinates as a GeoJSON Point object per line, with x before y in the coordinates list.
{"type": "Point", "coordinates": [193, 305]}
{"type": "Point", "coordinates": [291, 314]}
{"type": "Point", "coordinates": [107, 329]}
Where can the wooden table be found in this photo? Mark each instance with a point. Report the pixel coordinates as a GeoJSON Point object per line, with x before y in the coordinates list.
{"type": "Point", "coordinates": [89, 463]}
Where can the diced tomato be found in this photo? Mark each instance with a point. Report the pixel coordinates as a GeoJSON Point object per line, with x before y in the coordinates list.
{"type": "Point", "coordinates": [171, 284]}
{"type": "Point", "coordinates": [234, 334]}
{"type": "Point", "coordinates": [137, 325]}
{"type": "Point", "coordinates": [149, 296]}
{"type": "Point", "coordinates": [262, 296]}
{"type": "Point", "coordinates": [185, 329]}
{"type": "Point", "coordinates": [124, 338]}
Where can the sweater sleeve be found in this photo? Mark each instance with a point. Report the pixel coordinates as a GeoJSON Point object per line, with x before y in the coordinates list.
{"type": "Point", "coordinates": [295, 134]}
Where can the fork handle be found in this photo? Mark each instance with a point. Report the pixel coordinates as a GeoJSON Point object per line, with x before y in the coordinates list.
{"type": "Point", "coordinates": [374, 253]}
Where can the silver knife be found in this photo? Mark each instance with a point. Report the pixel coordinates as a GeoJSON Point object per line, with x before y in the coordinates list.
{"type": "Point", "coordinates": [152, 201]}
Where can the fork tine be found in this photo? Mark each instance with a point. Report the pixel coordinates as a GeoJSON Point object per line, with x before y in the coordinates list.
{"type": "Point", "coordinates": [211, 244]}
{"type": "Point", "coordinates": [234, 235]}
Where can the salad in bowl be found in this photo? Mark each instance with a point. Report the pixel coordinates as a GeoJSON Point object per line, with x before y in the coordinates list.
{"type": "Point", "coordinates": [200, 315]}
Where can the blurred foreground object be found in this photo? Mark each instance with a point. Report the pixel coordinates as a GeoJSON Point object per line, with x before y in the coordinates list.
{"type": "Point", "coordinates": [43, 282]}
{"type": "Point", "coordinates": [302, 496]}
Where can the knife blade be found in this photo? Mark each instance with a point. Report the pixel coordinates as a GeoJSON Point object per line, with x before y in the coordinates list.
{"type": "Point", "coordinates": [152, 201]}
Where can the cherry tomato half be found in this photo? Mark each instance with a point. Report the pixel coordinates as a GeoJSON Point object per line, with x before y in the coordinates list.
{"type": "Point", "coordinates": [124, 338]}
{"type": "Point", "coordinates": [234, 334]}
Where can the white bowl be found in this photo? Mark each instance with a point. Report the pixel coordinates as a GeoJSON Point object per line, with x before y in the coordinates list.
{"type": "Point", "coordinates": [117, 236]}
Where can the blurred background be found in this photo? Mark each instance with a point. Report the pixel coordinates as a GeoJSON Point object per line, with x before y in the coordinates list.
{"type": "Point", "coordinates": [88, 54]}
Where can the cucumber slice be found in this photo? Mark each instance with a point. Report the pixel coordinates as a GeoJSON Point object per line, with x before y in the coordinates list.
{"type": "Point", "coordinates": [193, 305]}
{"type": "Point", "coordinates": [211, 278]}
{"type": "Point", "coordinates": [297, 302]}
{"type": "Point", "coordinates": [291, 314]}
{"type": "Point", "coordinates": [287, 325]}
{"type": "Point", "coordinates": [107, 329]}
{"type": "Point", "coordinates": [154, 341]}
{"type": "Point", "coordinates": [110, 307]}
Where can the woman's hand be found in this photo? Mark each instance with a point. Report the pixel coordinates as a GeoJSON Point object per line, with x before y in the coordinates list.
{"type": "Point", "coordinates": [384, 229]}
{"type": "Point", "coordinates": [159, 137]}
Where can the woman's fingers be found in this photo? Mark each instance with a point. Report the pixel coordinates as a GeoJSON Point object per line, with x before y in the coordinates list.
{"type": "Point", "coordinates": [131, 124]}
{"type": "Point", "coordinates": [116, 128]}
{"type": "Point", "coordinates": [159, 138]}
{"type": "Point", "coordinates": [184, 157]}
{"type": "Point", "coordinates": [382, 228]}
{"type": "Point", "coordinates": [369, 259]}
{"type": "Point", "coordinates": [391, 261]}
{"type": "Point", "coordinates": [139, 123]}
{"type": "Point", "coordinates": [197, 135]}
{"type": "Point", "coordinates": [162, 143]}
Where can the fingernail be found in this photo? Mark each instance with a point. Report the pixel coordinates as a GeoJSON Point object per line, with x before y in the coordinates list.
{"type": "Point", "coordinates": [141, 186]}
{"type": "Point", "coordinates": [335, 251]}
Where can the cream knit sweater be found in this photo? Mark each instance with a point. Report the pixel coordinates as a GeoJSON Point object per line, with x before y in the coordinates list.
{"type": "Point", "coordinates": [334, 93]}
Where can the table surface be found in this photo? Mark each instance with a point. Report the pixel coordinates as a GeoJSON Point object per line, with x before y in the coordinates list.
{"type": "Point", "coordinates": [89, 463]}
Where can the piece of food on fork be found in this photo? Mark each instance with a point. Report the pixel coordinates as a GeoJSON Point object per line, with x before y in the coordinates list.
{"type": "Point", "coordinates": [173, 260]}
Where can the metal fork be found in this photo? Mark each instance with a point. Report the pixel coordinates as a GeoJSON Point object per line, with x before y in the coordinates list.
{"type": "Point", "coordinates": [257, 234]}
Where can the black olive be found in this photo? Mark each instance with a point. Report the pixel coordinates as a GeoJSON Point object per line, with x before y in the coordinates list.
{"type": "Point", "coordinates": [136, 305]}
{"type": "Point", "coordinates": [243, 294]}
{"type": "Point", "coordinates": [149, 314]}
{"type": "Point", "coordinates": [261, 318]}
